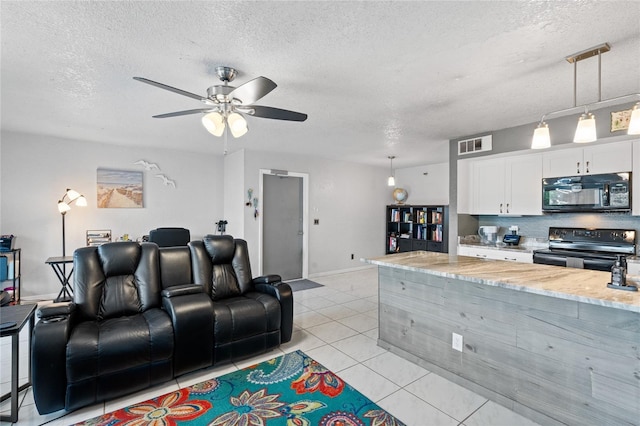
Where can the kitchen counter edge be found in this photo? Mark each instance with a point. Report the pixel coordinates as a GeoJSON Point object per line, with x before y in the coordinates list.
{"type": "Point", "coordinates": [580, 285]}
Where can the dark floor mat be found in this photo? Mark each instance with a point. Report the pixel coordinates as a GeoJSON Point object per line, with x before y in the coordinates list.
{"type": "Point", "coordinates": [303, 285]}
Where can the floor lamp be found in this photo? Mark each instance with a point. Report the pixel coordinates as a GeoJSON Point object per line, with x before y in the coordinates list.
{"type": "Point", "coordinates": [64, 205]}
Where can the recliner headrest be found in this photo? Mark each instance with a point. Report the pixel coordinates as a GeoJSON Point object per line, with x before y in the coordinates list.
{"type": "Point", "coordinates": [221, 248]}
{"type": "Point", "coordinates": [120, 258]}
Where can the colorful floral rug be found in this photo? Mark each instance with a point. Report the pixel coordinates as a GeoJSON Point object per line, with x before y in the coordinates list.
{"type": "Point", "coordinates": [291, 390]}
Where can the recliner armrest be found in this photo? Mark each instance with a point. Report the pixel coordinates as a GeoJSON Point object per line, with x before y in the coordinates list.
{"type": "Point", "coordinates": [267, 279]}
{"type": "Point", "coordinates": [191, 312]}
{"type": "Point", "coordinates": [48, 355]}
{"type": "Point", "coordinates": [282, 292]}
{"type": "Point", "coordinates": [181, 290]}
{"type": "Point", "coordinates": [56, 309]}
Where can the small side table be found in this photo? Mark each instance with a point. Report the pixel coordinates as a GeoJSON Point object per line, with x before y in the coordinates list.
{"type": "Point", "coordinates": [15, 317]}
{"type": "Point", "coordinates": [59, 266]}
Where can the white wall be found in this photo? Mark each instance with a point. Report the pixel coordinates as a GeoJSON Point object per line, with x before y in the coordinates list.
{"type": "Point", "coordinates": [235, 193]}
{"type": "Point", "coordinates": [36, 170]}
{"type": "Point", "coordinates": [429, 188]}
{"type": "Point", "coordinates": [349, 200]}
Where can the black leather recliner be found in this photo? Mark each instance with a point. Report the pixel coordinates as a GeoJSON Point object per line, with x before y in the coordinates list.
{"type": "Point", "coordinates": [143, 315]}
{"type": "Point", "coordinates": [113, 339]}
{"type": "Point", "coordinates": [251, 315]}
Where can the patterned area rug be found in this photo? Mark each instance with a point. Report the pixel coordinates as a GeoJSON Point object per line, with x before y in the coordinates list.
{"type": "Point", "coordinates": [291, 390]}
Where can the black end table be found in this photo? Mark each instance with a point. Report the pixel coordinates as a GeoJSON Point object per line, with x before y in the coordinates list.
{"type": "Point", "coordinates": [12, 319]}
{"type": "Point", "coordinates": [59, 266]}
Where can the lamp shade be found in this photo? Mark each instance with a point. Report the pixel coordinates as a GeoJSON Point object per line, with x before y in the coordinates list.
{"type": "Point", "coordinates": [81, 201]}
{"type": "Point", "coordinates": [634, 121]}
{"type": "Point", "coordinates": [237, 124]}
{"type": "Point", "coordinates": [586, 129]}
{"type": "Point", "coordinates": [63, 207]}
{"type": "Point", "coordinates": [214, 123]}
{"type": "Point", "coordinates": [391, 181]}
{"type": "Point", "coordinates": [541, 138]}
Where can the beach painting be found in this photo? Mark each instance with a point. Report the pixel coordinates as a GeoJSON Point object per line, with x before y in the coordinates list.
{"type": "Point", "coordinates": [119, 188]}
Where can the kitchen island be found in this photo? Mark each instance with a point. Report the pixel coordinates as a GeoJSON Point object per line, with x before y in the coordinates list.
{"type": "Point", "coordinates": [553, 344]}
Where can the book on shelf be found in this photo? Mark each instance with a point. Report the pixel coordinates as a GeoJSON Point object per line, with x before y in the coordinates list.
{"type": "Point", "coordinates": [393, 243]}
{"type": "Point", "coordinates": [395, 215]}
{"type": "Point", "coordinates": [405, 236]}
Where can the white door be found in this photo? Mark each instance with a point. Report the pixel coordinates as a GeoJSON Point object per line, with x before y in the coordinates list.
{"type": "Point", "coordinates": [283, 226]}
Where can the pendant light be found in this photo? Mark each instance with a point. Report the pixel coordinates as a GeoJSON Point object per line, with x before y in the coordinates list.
{"type": "Point", "coordinates": [541, 137]}
{"type": "Point", "coordinates": [586, 127]}
{"type": "Point", "coordinates": [392, 180]}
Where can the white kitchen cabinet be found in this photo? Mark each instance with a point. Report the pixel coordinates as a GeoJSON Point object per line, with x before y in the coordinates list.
{"type": "Point", "coordinates": [496, 254]}
{"type": "Point", "coordinates": [507, 185]}
{"type": "Point", "coordinates": [635, 179]}
{"type": "Point", "coordinates": [593, 159]}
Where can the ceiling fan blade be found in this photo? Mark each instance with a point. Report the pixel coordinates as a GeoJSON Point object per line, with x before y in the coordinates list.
{"type": "Point", "coordinates": [253, 90]}
{"type": "Point", "coordinates": [185, 112]}
{"type": "Point", "coordinates": [276, 113]}
{"type": "Point", "coordinates": [171, 89]}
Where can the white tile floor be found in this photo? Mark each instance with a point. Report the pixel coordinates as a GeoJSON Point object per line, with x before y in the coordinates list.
{"type": "Point", "coordinates": [338, 326]}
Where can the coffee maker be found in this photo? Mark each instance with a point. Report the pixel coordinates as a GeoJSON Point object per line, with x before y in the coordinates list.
{"type": "Point", "coordinates": [488, 234]}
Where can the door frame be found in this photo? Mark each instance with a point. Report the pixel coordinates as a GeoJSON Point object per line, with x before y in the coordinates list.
{"type": "Point", "coordinates": [305, 217]}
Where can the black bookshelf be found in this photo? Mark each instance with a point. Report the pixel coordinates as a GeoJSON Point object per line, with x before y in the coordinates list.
{"type": "Point", "coordinates": [416, 227]}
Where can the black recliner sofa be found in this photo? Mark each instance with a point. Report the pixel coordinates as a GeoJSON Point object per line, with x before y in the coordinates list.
{"type": "Point", "coordinates": [142, 315]}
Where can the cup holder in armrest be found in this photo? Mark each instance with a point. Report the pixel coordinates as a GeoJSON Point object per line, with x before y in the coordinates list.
{"type": "Point", "coordinates": [53, 319]}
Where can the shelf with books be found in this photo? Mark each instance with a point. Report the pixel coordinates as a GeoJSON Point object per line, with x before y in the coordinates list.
{"type": "Point", "coordinates": [416, 227]}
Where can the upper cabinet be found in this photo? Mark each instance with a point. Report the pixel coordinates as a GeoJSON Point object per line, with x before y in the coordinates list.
{"type": "Point", "coordinates": [507, 185]}
{"type": "Point", "coordinates": [592, 159]}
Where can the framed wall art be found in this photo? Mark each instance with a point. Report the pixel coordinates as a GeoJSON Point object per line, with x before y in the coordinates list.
{"type": "Point", "coordinates": [119, 188]}
{"type": "Point", "coordinates": [620, 120]}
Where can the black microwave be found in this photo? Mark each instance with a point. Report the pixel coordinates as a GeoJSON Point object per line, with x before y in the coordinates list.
{"type": "Point", "coordinates": [605, 192]}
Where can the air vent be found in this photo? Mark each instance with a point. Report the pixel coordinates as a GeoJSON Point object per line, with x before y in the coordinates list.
{"type": "Point", "coordinates": [469, 146]}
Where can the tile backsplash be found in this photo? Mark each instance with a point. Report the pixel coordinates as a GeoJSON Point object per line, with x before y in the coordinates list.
{"type": "Point", "coordinates": [538, 226]}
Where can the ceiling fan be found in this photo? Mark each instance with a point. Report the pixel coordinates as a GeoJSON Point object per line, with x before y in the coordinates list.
{"type": "Point", "coordinates": [228, 104]}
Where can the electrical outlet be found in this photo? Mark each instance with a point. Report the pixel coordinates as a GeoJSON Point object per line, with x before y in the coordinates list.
{"type": "Point", "coordinates": [456, 342]}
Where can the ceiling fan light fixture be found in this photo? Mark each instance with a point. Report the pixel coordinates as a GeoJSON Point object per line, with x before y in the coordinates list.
{"type": "Point", "coordinates": [214, 123]}
{"type": "Point", "coordinates": [634, 121]}
{"type": "Point", "coordinates": [541, 138]}
{"type": "Point", "coordinates": [237, 124]}
{"type": "Point", "coordinates": [586, 129]}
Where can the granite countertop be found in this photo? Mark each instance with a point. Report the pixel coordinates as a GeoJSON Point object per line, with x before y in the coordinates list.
{"type": "Point", "coordinates": [581, 285]}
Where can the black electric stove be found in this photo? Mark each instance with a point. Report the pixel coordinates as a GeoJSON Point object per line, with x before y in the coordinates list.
{"type": "Point", "coordinates": [586, 248]}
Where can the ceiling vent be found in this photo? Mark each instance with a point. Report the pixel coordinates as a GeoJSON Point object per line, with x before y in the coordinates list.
{"type": "Point", "coordinates": [469, 146]}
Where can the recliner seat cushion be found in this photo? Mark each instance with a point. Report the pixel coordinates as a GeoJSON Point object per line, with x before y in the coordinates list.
{"type": "Point", "coordinates": [118, 355]}
{"type": "Point", "coordinates": [240, 317]}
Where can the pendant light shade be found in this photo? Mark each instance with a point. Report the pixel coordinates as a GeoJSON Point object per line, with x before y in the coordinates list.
{"type": "Point", "coordinates": [392, 180]}
{"type": "Point", "coordinates": [634, 121]}
{"type": "Point", "coordinates": [237, 124]}
{"type": "Point", "coordinates": [214, 123]}
{"type": "Point", "coordinates": [586, 130]}
{"type": "Point", "coordinates": [541, 137]}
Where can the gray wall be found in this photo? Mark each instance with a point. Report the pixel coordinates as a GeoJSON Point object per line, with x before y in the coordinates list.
{"type": "Point", "coordinates": [519, 139]}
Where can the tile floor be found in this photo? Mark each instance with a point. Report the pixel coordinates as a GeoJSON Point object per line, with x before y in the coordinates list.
{"type": "Point", "coordinates": [338, 326]}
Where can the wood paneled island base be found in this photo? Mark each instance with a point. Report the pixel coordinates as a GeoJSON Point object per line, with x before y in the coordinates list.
{"type": "Point", "coordinates": [554, 357]}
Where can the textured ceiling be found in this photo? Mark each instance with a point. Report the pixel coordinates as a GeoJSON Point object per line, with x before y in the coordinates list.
{"type": "Point", "coordinates": [375, 78]}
